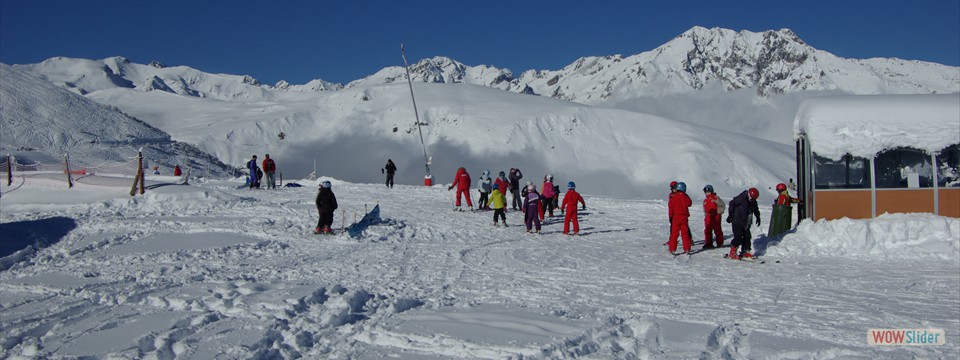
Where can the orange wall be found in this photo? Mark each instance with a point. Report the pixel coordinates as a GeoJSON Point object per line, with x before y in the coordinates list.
{"type": "Point", "coordinates": [904, 201]}
{"type": "Point", "coordinates": [835, 204]}
{"type": "Point", "coordinates": [950, 202]}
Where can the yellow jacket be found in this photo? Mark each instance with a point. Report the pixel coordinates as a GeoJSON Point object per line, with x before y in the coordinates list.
{"type": "Point", "coordinates": [497, 199]}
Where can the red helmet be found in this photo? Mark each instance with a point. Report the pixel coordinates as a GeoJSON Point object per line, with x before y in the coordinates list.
{"type": "Point", "coordinates": [754, 193]}
{"type": "Point", "coordinates": [781, 187]}
{"type": "Point", "coordinates": [673, 185]}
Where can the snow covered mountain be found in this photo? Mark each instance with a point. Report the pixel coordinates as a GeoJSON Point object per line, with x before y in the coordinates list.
{"type": "Point", "coordinates": [42, 121]}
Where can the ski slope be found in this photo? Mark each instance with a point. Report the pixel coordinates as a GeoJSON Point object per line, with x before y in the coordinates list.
{"type": "Point", "coordinates": [212, 271]}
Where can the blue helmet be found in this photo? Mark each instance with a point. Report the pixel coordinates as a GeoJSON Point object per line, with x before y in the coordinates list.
{"type": "Point", "coordinates": [571, 185]}
{"type": "Point", "coordinates": [681, 186]}
{"type": "Point", "coordinates": [325, 184]}
{"type": "Point", "coordinates": [495, 186]}
{"type": "Point", "coordinates": [708, 188]}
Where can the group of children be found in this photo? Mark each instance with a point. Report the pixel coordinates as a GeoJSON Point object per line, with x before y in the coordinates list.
{"type": "Point", "coordinates": [534, 205]}
{"type": "Point", "coordinates": [738, 215]}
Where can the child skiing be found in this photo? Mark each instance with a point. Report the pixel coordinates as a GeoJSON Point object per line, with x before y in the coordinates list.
{"type": "Point", "coordinates": [713, 208]}
{"type": "Point", "coordinates": [499, 203]}
{"type": "Point", "coordinates": [741, 207]}
{"type": "Point", "coordinates": [548, 195]}
{"type": "Point", "coordinates": [503, 183]}
{"type": "Point", "coordinates": [483, 187]}
{"type": "Point", "coordinates": [326, 205]}
{"type": "Point", "coordinates": [569, 206]}
{"type": "Point", "coordinates": [531, 208]}
{"type": "Point", "coordinates": [679, 208]}
{"type": "Point", "coordinates": [462, 182]}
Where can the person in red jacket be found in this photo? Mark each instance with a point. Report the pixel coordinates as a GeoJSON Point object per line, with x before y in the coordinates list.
{"type": "Point", "coordinates": [711, 218]}
{"type": "Point", "coordinates": [176, 170]}
{"type": "Point", "coordinates": [785, 198]}
{"type": "Point", "coordinates": [462, 182]}
{"type": "Point", "coordinates": [569, 206]}
{"type": "Point", "coordinates": [679, 208]}
{"type": "Point", "coordinates": [269, 168]}
{"type": "Point", "coordinates": [502, 182]}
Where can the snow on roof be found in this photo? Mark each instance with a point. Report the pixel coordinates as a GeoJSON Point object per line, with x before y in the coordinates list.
{"type": "Point", "coordinates": [868, 124]}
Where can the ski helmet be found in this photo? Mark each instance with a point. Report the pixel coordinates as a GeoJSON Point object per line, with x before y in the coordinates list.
{"type": "Point", "coordinates": [486, 173]}
{"type": "Point", "coordinates": [673, 185]}
{"type": "Point", "coordinates": [681, 186]}
{"type": "Point", "coordinates": [571, 185]}
{"type": "Point", "coordinates": [531, 188]}
{"type": "Point", "coordinates": [325, 184]}
{"type": "Point", "coordinates": [781, 187]}
{"type": "Point", "coordinates": [502, 174]}
{"type": "Point", "coordinates": [529, 183]}
{"type": "Point", "coordinates": [708, 188]}
{"type": "Point", "coordinates": [754, 193]}
{"type": "Point", "coordinates": [495, 186]}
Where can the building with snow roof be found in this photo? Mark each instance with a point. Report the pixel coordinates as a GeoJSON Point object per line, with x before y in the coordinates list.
{"type": "Point", "coordinates": [862, 156]}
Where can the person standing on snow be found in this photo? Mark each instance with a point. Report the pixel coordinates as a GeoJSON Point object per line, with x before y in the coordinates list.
{"type": "Point", "coordinates": [548, 194]}
{"type": "Point", "coordinates": [515, 176]}
{"type": "Point", "coordinates": [738, 214]}
{"type": "Point", "coordinates": [785, 198]}
{"type": "Point", "coordinates": [390, 168]}
{"type": "Point", "coordinates": [483, 186]}
{"type": "Point", "coordinates": [712, 211]}
{"type": "Point", "coordinates": [531, 208]}
{"type": "Point", "coordinates": [569, 206]}
{"type": "Point", "coordinates": [462, 182]}
{"type": "Point", "coordinates": [326, 205]}
{"type": "Point", "coordinates": [252, 166]}
{"type": "Point", "coordinates": [176, 170]}
{"type": "Point", "coordinates": [269, 168]}
{"type": "Point", "coordinates": [499, 203]}
{"type": "Point", "coordinates": [679, 210]}
{"type": "Point", "coordinates": [503, 183]}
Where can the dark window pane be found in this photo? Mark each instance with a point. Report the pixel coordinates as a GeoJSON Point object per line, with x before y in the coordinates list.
{"type": "Point", "coordinates": [948, 166]}
{"type": "Point", "coordinates": [847, 173]}
{"type": "Point", "coordinates": [896, 167]}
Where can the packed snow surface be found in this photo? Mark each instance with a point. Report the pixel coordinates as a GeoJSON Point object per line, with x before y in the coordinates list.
{"type": "Point", "coordinates": [211, 270]}
{"type": "Point", "coordinates": [866, 125]}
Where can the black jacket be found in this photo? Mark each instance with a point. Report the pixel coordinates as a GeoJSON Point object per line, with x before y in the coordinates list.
{"type": "Point", "coordinates": [326, 201]}
{"type": "Point", "coordinates": [391, 168]}
{"type": "Point", "coordinates": [740, 208]}
{"type": "Point", "coordinates": [515, 177]}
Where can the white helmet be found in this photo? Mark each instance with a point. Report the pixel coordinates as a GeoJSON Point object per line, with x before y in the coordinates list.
{"type": "Point", "coordinates": [549, 177]}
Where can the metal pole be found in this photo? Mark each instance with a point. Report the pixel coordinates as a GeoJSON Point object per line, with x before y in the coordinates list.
{"type": "Point", "coordinates": [426, 161]}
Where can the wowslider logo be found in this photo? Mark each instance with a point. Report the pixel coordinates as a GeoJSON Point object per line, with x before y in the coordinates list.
{"type": "Point", "coordinates": [918, 337]}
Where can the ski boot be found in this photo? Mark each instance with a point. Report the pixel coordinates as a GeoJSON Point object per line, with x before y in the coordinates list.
{"type": "Point", "coordinates": [733, 254]}
{"type": "Point", "coordinates": [317, 230]}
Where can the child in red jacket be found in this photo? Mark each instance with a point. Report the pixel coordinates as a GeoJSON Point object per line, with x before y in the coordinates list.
{"type": "Point", "coordinates": [712, 211]}
{"type": "Point", "coordinates": [679, 207]}
{"type": "Point", "coordinates": [569, 206]}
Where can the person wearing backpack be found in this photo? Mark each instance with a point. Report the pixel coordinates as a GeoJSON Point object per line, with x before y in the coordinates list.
{"type": "Point", "coordinates": [713, 208]}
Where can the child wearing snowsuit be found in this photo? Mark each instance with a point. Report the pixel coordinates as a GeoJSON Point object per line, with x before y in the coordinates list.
{"type": "Point", "coordinates": [569, 206]}
{"type": "Point", "coordinates": [679, 211]}
{"type": "Point", "coordinates": [711, 218]}
{"type": "Point", "coordinates": [462, 182]}
{"type": "Point", "coordinates": [531, 206]}
{"type": "Point", "coordinates": [483, 187]}
{"type": "Point", "coordinates": [515, 191]}
{"type": "Point", "coordinates": [784, 198]}
{"type": "Point", "coordinates": [740, 209]}
{"type": "Point", "coordinates": [503, 183]}
{"type": "Point", "coordinates": [548, 194]}
{"type": "Point", "coordinates": [499, 203]}
{"type": "Point", "coordinates": [326, 205]}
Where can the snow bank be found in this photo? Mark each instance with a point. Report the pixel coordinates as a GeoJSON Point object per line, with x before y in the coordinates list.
{"type": "Point", "coordinates": [866, 125]}
{"type": "Point", "coordinates": [889, 236]}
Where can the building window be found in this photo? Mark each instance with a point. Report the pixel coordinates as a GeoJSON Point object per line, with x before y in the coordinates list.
{"type": "Point", "coordinates": [948, 166]}
{"type": "Point", "coordinates": [847, 173]}
{"type": "Point", "coordinates": [903, 168]}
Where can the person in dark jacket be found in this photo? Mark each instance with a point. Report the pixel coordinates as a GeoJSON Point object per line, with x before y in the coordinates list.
{"type": "Point", "coordinates": [531, 208]}
{"type": "Point", "coordinates": [326, 205]}
{"type": "Point", "coordinates": [738, 213]}
{"type": "Point", "coordinates": [252, 167]}
{"type": "Point", "coordinates": [389, 169]}
{"type": "Point", "coordinates": [515, 176]}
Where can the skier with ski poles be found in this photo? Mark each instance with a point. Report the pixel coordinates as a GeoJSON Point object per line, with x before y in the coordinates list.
{"type": "Point", "coordinates": [462, 182]}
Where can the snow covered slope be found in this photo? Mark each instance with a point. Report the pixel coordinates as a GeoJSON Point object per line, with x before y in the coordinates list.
{"type": "Point", "coordinates": [41, 122]}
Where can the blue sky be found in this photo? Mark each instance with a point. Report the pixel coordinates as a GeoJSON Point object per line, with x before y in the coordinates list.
{"type": "Point", "coordinates": [342, 41]}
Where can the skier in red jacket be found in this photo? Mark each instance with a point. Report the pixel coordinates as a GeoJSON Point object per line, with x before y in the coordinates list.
{"type": "Point", "coordinates": [462, 182]}
{"type": "Point", "coordinates": [569, 206]}
{"type": "Point", "coordinates": [711, 218]}
{"type": "Point", "coordinates": [679, 208]}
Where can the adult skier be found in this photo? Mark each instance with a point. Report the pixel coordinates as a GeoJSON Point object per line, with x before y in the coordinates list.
{"type": "Point", "coordinates": [515, 191]}
{"type": "Point", "coordinates": [462, 182]}
{"type": "Point", "coordinates": [712, 211]}
{"type": "Point", "coordinates": [738, 214]}
{"type": "Point", "coordinates": [390, 168]}
{"type": "Point", "coordinates": [326, 205]}
{"type": "Point", "coordinates": [679, 209]}
{"type": "Point", "coordinates": [569, 206]}
{"type": "Point", "coordinates": [484, 187]}
{"type": "Point", "coordinates": [252, 166]}
{"type": "Point", "coordinates": [269, 168]}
